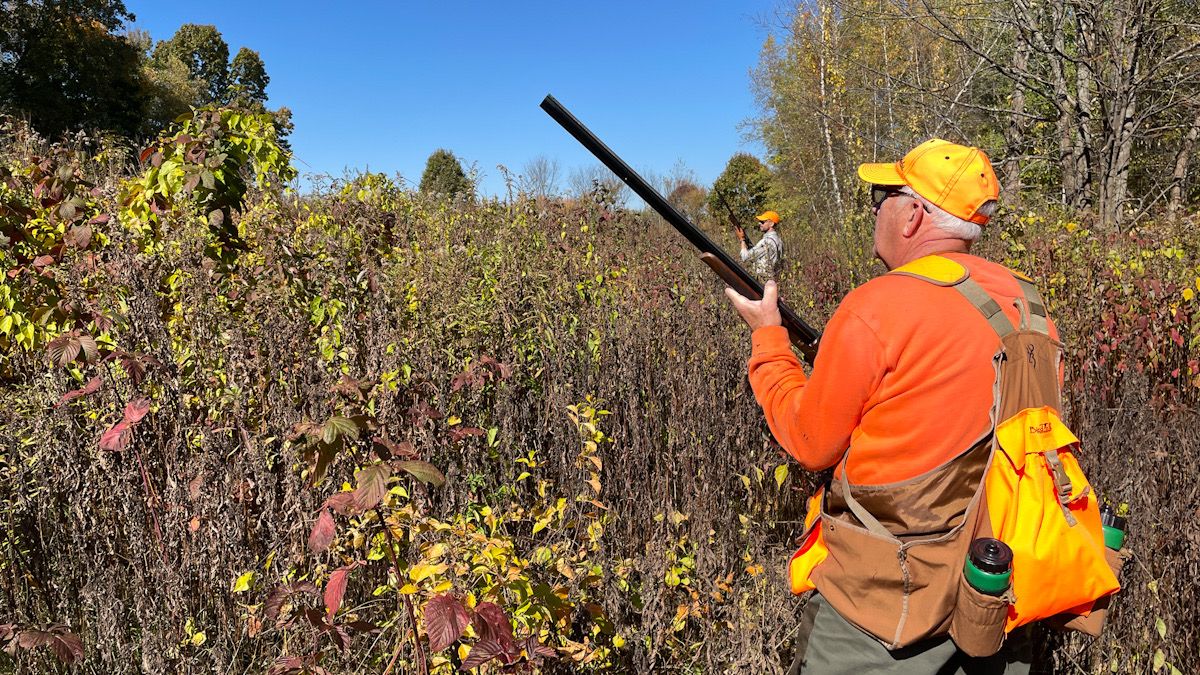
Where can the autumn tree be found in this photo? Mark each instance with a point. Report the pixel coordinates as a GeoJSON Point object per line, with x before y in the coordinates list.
{"type": "Point", "coordinates": [63, 67]}
{"type": "Point", "coordinates": [740, 192]}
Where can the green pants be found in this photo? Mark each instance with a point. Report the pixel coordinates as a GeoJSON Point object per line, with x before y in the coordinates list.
{"type": "Point", "coordinates": [830, 645]}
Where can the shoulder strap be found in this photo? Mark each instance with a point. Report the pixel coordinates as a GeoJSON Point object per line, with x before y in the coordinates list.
{"type": "Point", "coordinates": [1033, 310]}
{"type": "Point", "coordinates": [989, 308]}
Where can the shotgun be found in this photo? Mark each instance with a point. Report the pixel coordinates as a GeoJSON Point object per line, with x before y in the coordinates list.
{"type": "Point", "coordinates": [733, 219]}
{"type": "Point", "coordinates": [804, 336]}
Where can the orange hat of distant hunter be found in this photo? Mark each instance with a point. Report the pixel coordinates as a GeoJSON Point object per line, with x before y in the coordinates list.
{"type": "Point", "coordinates": [768, 215]}
{"type": "Point", "coordinates": [953, 177]}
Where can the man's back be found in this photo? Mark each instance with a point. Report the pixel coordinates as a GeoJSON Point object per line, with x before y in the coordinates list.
{"type": "Point", "coordinates": [904, 377]}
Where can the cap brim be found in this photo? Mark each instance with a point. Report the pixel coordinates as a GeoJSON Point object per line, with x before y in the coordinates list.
{"type": "Point", "coordinates": [880, 174]}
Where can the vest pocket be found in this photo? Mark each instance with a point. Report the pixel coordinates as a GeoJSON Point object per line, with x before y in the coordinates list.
{"type": "Point", "coordinates": [978, 623]}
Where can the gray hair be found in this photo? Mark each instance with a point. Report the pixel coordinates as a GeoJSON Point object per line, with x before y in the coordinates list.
{"type": "Point", "coordinates": [951, 224]}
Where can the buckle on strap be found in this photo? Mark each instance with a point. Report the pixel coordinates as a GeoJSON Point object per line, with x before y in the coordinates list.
{"type": "Point", "coordinates": [1062, 485]}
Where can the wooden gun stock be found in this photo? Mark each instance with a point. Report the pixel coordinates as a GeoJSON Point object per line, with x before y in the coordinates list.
{"type": "Point", "coordinates": [809, 349]}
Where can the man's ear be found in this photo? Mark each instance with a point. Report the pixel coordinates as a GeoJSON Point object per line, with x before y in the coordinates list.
{"type": "Point", "coordinates": [916, 218]}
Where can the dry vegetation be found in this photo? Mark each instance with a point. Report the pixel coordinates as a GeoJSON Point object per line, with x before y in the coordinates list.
{"type": "Point", "coordinates": [284, 382]}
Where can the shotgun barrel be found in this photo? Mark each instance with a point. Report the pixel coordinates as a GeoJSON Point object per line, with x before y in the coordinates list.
{"type": "Point", "coordinates": [805, 337]}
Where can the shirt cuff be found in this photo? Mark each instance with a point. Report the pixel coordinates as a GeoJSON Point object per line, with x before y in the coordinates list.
{"type": "Point", "coordinates": [770, 340]}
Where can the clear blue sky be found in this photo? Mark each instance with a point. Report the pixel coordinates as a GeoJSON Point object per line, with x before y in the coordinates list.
{"type": "Point", "coordinates": [381, 85]}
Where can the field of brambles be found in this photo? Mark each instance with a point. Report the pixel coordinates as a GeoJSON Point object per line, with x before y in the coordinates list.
{"type": "Point", "coordinates": [367, 430]}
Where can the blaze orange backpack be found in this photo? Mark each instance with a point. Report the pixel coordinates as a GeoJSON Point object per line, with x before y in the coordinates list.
{"type": "Point", "coordinates": [1039, 502]}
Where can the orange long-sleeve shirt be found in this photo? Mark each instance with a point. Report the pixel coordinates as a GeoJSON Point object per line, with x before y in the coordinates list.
{"type": "Point", "coordinates": [903, 377]}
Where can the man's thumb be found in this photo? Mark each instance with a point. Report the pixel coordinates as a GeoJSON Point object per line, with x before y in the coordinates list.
{"type": "Point", "coordinates": [771, 293]}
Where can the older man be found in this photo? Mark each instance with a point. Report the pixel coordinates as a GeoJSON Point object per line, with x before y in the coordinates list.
{"type": "Point", "coordinates": [901, 387]}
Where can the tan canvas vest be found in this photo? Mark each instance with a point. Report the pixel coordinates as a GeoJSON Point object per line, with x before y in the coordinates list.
{"type": "Point", "coordinates": [896, 551]}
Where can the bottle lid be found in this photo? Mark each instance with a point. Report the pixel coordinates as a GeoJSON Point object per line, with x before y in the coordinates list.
{"type": "Point", "coordinates": [991, 555]}
{"type": "Point", "coordinates": [1109, 518]}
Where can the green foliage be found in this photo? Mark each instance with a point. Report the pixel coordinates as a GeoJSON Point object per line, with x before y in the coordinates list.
{"type": "Point", "coordinates": [63, 67]}
{"type": "Point", "coordinates": [444, 175]}
{"type": "Point", "coordinates": [207, 168]}
{"type": "Point", "coordinates": [205, 54]}
{"type": "Point", "coordinates": [248, 78]}
{"type": "Point", "coordinates": [740, 192]}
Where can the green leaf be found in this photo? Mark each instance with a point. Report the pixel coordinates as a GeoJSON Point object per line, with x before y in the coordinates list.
{"type": "Point", "coordinates": [781, 473]}
{"type": "Point", "coordinates": [491, 436]}
{"type": "Point", "coordinates": [423, 471]}
{"type": "Point", "coordinates": [1159, 659]}
{"type": "Point", "coordinates": [339, 427]}
{"type": "Point", "coordinates": [1161, 627]}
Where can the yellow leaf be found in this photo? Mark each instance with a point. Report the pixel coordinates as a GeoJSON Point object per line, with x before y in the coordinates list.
{"type": "Point", "coordinates": [443, 587]}
{"type": "Point", "coordinates": [243, 582]}
{"type": "Point", "coordinates": [523, 476]}
{"type": "Point", "coordinates": [1188, 294]}
{"type": "Point", "coordinates": [408, 589]}
{"type": "Point", "coordinates": [618, 641]}
{"type": "Point", "coordinates": [198, 639]}
{"type": "Point", "coordinates": [745, 480]}
{"type": "Point", "coordinates": [422, 571]}
{"type": "Point", "coordinates": [453, 420]}
{"type": "Point", "coordinates": [781, 473]}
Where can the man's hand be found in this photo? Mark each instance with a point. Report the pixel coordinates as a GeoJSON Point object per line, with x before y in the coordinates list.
{"type": "Point", "coordinates": [758, 313]}
{"type": "Point", "coordinates": [740, 232]}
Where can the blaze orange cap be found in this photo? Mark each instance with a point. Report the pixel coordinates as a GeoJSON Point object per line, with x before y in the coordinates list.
{"type": "Point", "coordinates": [768, 215]}
{"type": "Point", "coordinates": [953, 177]}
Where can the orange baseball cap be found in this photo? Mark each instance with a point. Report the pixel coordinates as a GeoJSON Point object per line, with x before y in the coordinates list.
{"type": "Point", "coordinates": [953, 177]}
{"type": "Point", "coordinates": [768, 215]}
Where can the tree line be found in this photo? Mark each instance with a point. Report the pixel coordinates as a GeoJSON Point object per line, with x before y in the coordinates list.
{"type": "Point", "coordinates": [71, 64]}
{"type": "Point", "coordinates": [1092, 105]}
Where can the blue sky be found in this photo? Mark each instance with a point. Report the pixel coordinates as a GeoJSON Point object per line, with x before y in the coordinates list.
{"type": "Point", "coordinates": [381, 85]}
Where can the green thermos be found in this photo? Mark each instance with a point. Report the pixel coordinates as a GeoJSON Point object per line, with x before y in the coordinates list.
{"type": "Point", "coordinates": [1114, 528]}
{"type": "Point", "coordinates": [989, 566]}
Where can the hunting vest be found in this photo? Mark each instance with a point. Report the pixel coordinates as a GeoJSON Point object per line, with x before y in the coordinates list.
{"type": "Point", "coordinates": [889, 558]}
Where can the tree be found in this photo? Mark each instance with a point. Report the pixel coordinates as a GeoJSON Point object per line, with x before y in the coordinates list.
{"type": "Point", "coordinates": [444, 175]}
{"type": "Point", "coordinates": [740, 192]}
{"type": "Point", "coordinates": [247, 78]}
{"type": "Point", "coordinates": [540, 177]}
{"type": "Point", "coordinates": [62, 66]}
{"type": "Point", "coordinates": [205, 54]}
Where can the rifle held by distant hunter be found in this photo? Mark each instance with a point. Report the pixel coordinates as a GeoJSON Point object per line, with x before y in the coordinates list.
{"type": "Point", "coordinates": [804, 336]}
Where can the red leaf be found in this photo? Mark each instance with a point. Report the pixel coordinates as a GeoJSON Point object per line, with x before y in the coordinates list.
{"type": "Point", "coordinates": [91, 387]}
{"type": "Point", "coordinates": [403, 449]}
{"type": "Point", "coordinates": [281, 594]}
{"type": "Point", "coordinates": [116, 438]}
{"type": "Point", "coordinates": [65, 348]}
{"type": "Point", "coordinates": [78, 237]}
{"type": "Point", "coordinates": [492, 624]}
{"type": "Point", "coordinates": [342, 502]}
{"type": "Point", "coordinates": [482, 652]}
{"type": "Point", "coordinates": [145, 154]}
{"type": "Point", "coordinates": [67, 647]}
{"type": "Point", "coordinates": [372, 486]}
{"type": "Point", "coordinates": [100, 219]}
{"type": "Point", "coordinates": [322, 533]}
{"type": "Point", "coordinates": [42, 261]}
{"type": "Point", "coordinates": [32, 639]}
{"type": "Point", "coordinates": [459, 434]}
{"type": "Point", "coordinates": [335, 588]}
{"type": "Point", "coordinates": [136, 410]}
{"type": "Point", "coordinates": [445, 621]}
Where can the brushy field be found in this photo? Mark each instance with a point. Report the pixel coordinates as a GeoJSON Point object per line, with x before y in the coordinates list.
{"type": "Point", "coordinates": [366, 430]}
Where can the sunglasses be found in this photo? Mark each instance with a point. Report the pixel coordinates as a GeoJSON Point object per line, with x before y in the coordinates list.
{"type": "Point", "coordinates": [880, 194]}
